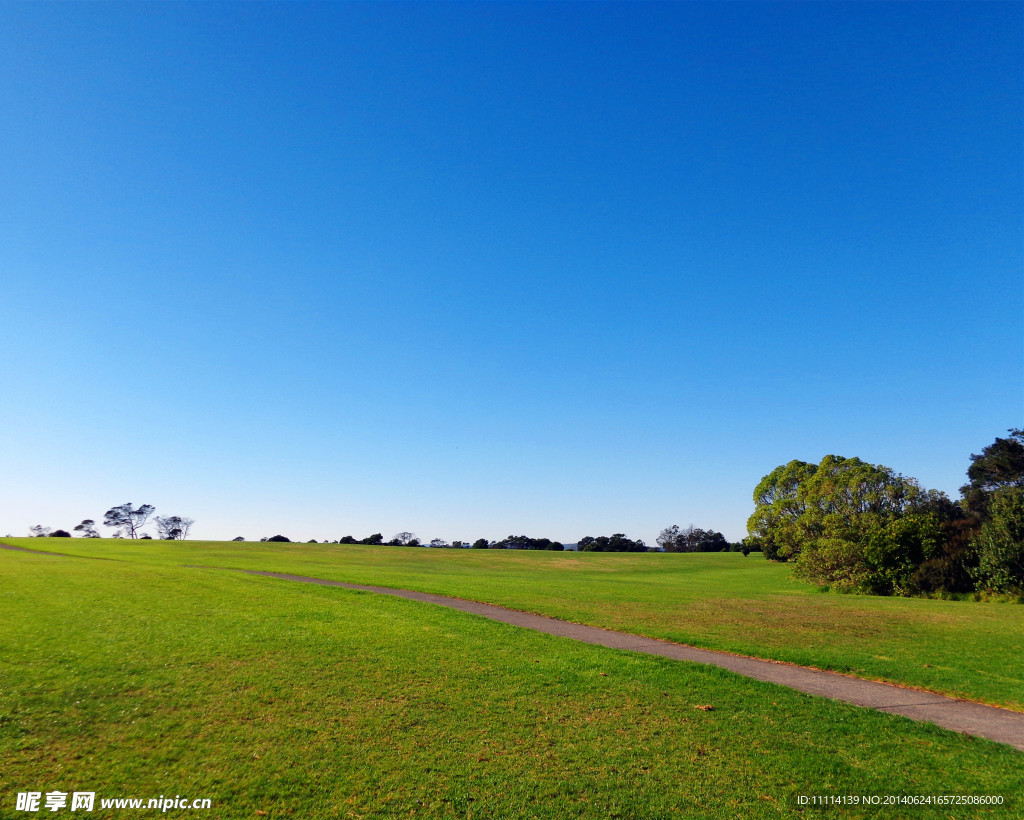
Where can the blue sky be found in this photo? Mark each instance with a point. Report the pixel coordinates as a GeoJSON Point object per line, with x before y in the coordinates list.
{"type": "Point", "coordinates": [476, 269]}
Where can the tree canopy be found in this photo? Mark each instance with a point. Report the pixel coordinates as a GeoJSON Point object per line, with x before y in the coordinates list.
{"type": "Point", "coordinates": [846, 523]}
{"type": "Point", "coordinates": [173, 527]}
{"type": "Point", "coordinates": [998, 466]}
{"type": "Point", "coordinates": [128, 520]}
{"type": "Point", "coordinates": [857, 526]}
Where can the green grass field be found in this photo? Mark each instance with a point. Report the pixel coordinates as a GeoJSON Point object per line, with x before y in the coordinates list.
{"type": "Point", "coordinates": [141, 677]}
{"type": "Point", "coordinates": [967, 649]}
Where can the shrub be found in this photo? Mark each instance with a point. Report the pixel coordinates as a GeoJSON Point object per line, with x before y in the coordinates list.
{"type": "Point", "coordinates": [951, 568]}
{"type": "Point", "coordinates": [835, 563]}
{"type": "Point", "coordinates": [60, 534]}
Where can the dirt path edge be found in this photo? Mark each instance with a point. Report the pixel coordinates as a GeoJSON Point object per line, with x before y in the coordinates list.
{"type": "Point", "coordinates": [967, 717]}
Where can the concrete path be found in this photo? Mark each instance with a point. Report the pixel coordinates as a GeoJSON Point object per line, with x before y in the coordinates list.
{"type": "Point", "coordinates": [992, 722]}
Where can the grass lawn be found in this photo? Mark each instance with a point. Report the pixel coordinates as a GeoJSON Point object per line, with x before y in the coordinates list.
{"type": "Point", "coordinates": [747, 605]}
{"type": "Point", "coordinates": [144, 678]}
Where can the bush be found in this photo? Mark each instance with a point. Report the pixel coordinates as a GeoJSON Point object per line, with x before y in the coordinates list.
{"type": "Point", "coordinates": [894, 552]}
{"type": "Point", "coordinates": [835, 563]}
{"type": "Point", "coordinates": [60, 534]}
{"type": "Point", "coordinates": [952, 566]}
{"type": "Point", "coordinates": [280, 539]}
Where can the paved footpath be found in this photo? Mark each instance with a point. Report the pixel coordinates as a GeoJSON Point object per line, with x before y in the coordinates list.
{"type": "Point", "coordinates": [992, 722]}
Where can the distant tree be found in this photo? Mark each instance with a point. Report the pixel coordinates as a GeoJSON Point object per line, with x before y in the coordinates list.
{"type": "Point", "coordinates": [713, 541]}
{"type": "Point", "coordinates": [438, 543]}
{"type": "Point", "coordinates": [668, 538]}
{"type": "Point", "coordinates": [692, 539]}
{"type": "Point", "coordinates": [459, 545]}
{"type": "Point", "coordinates": [60, 534]}
{"type": "Point", "coordinates": [39, 531]}
{"type": "Point", "coordinates": [347, 539]}
{"type": "Point", "coordinates": [517, 542]}
{"type": "Point", "coordinates": [146, 537]}
{"type": "Point", "coordinates": [311, 541]}
{"type": "Point", "coordinates": [403, 538]}
{"type": "Point", "coordinates": [239, 538]}
{"type": "Point", "coordinates": [481, 544]}
{"type": "Point", "coordinates": [688, 540]}
{"type": "Point", "coordinates": [617, 542]}
{"type": "Point", "coordinates": [173, 527]}
{"type": "Point", "coordinates": [128, 520]}
{"type": "Point", "coordinates": [414, 542]}
{"type": "Point", "coordinates": [520, 542]}
{"type": "Point", "coordinates": [88, 529]}
{"type": "Point", "coordinates": [373, 540]}
{"type": "Point", "coordinates": [998, 466]}
{"type": "Point", "coordinates": [280, 539]}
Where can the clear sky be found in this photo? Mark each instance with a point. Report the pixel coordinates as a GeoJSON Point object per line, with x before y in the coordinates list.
{"type": "Point", "coordinates": [477, 269]}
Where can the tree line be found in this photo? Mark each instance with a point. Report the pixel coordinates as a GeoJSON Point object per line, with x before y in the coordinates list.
{"type": "Point", "coordinates": [672, 539]}
{"type": "Point", "coordinates": [127, 521]}
{"type": "Point", "coordinates": [853, 526]}
{"type": "Point", "coordinates": [408, 539]}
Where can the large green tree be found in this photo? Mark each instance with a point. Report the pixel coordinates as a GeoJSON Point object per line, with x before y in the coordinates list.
{"type": "Point", "coordinates": [846, 523]}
